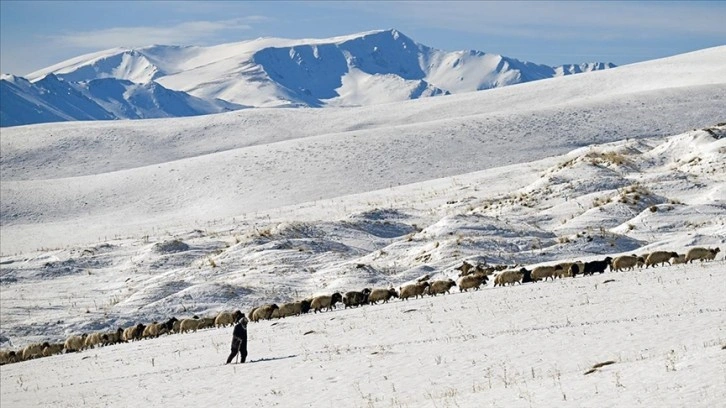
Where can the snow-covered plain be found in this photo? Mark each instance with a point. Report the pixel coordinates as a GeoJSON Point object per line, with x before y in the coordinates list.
{"type": "Point", "coordinates": [281, 205]}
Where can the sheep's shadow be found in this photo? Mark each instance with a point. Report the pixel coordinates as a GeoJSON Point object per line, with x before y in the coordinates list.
{"type": "Point", "coordinates": [262, 360]}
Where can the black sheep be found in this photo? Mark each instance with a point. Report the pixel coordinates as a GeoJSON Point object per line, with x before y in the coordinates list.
{"type": "Point", "coordinates": [596, 266]}
{"type": "Point", "coordinates": [526, 275]}
{"type": "Point", "coordinates": [351, 299]}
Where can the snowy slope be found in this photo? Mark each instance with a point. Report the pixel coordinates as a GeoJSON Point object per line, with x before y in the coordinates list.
{"type": "Point", "coordinates": [360, 69]}
{"type": "Point", "coordinates": [524, 346]}
{"type": "Point", "coordinates": [111, 224]}
{"type": "Point", "coordinates": [267, 158]}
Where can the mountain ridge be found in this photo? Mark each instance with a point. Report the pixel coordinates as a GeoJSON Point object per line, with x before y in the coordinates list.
{"type": "Point", "coordinates": [367, 68]}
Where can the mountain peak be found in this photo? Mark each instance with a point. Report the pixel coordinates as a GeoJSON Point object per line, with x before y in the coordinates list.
{"type": "Point", "coordinates": [371, 67]}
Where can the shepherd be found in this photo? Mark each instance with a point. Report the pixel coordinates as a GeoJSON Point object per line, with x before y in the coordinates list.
{"type": "Point", "coordinates": [239, 341]}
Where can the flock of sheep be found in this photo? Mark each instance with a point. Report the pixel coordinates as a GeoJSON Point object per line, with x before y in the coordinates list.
{"type": "Point", "coordinates": [470, 277]}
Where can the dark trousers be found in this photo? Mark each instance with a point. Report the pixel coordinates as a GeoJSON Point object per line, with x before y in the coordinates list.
{"type": "Point", "coordinates": [233, 354]}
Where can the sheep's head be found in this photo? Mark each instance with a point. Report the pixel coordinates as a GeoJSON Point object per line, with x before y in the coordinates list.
{"type": "Point", "coordinates": [464, 267]}
{"type": "Point", "coordinates": [337, 297]}
{"type": "Point", "coordinates": [305, 305]}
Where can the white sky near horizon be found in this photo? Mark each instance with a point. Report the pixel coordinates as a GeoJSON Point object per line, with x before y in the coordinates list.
{"type": "Point", "coordinates": [36, 34]}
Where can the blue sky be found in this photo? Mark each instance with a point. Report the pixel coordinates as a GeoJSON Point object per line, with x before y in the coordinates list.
{"type": "Point", "coordinates": [36, 34]}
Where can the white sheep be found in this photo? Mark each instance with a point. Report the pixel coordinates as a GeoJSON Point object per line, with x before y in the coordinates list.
{"type": "Point", "coordinates": [441, 287]}
{"type": "Point", "coordinates": [114, 337]}
{"type": "Point", "coordinates": [702, 254]}
{"type": "Point", "coordinates": [32, 351]}
{"type": "Point", "coordinates": [625, 262]}
{"type": "Point", "coordinates": [473, 281]}
{"type": "Point", "coordinates": [51, 349]}
{"type": "Point", "coordinates": [382, 294]}
{"type": "Point", "coordinates": [95, 339]}
{"type": "Point", "coordinates": [227, 318]}
{"type": "Point", "coordinates": [294, 308]}
{"type": "Point", "coordinates": [264, 312]}
{"type": "Point", "coordinates": [544, 272]}
{"type": "Point", "coordinates": [509, 277]}
{"type": "Point", "coordinates": [659, 257]}
{"type": "Point", "coordinates": [133, 333]}
{"type": "Point", "coordinates": [187, 325]}
{"type": "Point", "coordinates": [413, 290]}
{"type": "Point", "coordinates": [75, 343]}
{"type": "Point", "coordinates": [325, 302]}
{"type": "Point", "coordinates": [9, 357]}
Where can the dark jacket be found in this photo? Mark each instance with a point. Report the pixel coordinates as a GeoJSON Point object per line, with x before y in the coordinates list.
{"type": "Point", "coordinates": [239, 337]}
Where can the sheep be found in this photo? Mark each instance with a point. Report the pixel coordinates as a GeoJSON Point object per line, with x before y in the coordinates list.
{"type": "Point", "coordinates": [464, 268]}
{"type": "Point", "coordinates": [625, 262]}
{"type": "Point", "coordinates": [8, 357]}
{"type": "Point", "coordinates": [576, 268]}
{"type": "Point", "coordinates": [114, 337]}
{"type": "Point", "coordinates": [643, 258]}
{"type": "Point", "coordinates": [474, 280]}
{"type": "Point", "coordinates": [544, 272]}
{"type": "Point", "coordinates": [325, 302]}
{"type": "Point", "coordinates": [566, 268]}
{"type": "Point", "coordinates": [205, 323]}
{"type": "Point", "coordinates": [227, 318]}
{"type": "Point", "coordinates": [441, 287]}
{"type": "Point", "coordinates": [95, 339]}
{"type": "Point", "coordinates": [413, 290]}
{"type": "Point", "coordinates": [51, 349]}
{"type": "Point", "coordinates": [75, 343]}
{"type": "Point", "coordinates": [356, 299]}
{"type": "Point", "coordinates": [133, 332]}
{"type": "Point", "coordinates": [703, 254]}
{"type": "Point", "coordinates": [157, 329]}
{"type": "Point", "coordinates": [659, 257]}
{"type": "Point", "coordinates": [597, 266]}
{"type": "Point", "coordinates": [177, 327]}
{"type": "Point", "coordinates": [263, 312]}
{"type": "Point", "coordinates": [382, 294]}
{"type": "Point", "coordinates": [294, 308]}
{"type": "Point", "coordinates": [509, 277]}
{"type": "Point", "coordinates": [32, 351]}
{"type": "Point", "coordinates": [187, 325]}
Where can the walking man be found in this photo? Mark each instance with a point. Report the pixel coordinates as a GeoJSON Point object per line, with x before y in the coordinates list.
{"type": "Point", "coordinates": [239, 340]}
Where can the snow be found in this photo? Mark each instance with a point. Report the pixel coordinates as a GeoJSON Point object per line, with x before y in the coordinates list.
{"type": "Point", "coordinates": [340, 71]}
{"type": "Point", "coordinates": [115, 223]}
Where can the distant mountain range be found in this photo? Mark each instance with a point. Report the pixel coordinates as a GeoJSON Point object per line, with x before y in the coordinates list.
{"type": "Point", "coordinates": [170, 81]}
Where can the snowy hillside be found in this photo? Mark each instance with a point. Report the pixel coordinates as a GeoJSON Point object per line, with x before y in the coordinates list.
{"type": "Point", "coordinates": [110, 224]}
{"type": "Point", "coordinates": [86, 176]}
{"type": "Point", "coordinates": [360, 69]}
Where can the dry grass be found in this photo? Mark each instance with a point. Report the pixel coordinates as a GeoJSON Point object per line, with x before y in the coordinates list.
{"type": "Point", "coordinates": [615, 158]}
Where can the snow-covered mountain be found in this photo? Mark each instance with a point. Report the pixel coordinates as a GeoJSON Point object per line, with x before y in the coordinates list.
{"type": "Point", "coordinates": [114, 223]}
{"type": "Point", "coordinates": [361, 69]}
{"type": "Point", "coordinates": [54, 99]}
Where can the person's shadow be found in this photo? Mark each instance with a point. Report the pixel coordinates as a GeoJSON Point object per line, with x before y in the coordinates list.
{"type": "Point", "coordinates": [261, 360]}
